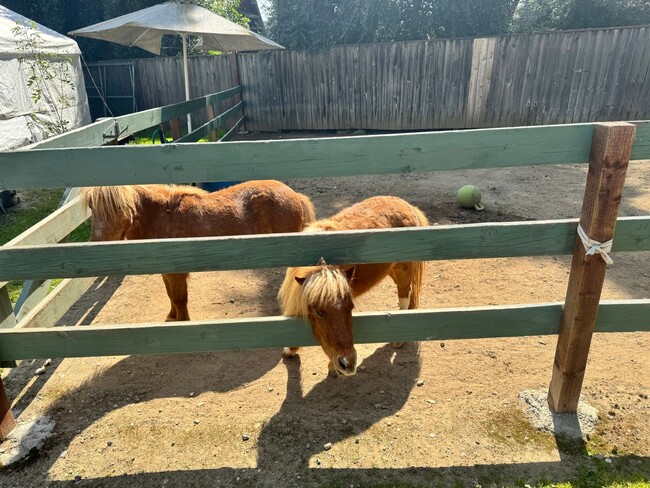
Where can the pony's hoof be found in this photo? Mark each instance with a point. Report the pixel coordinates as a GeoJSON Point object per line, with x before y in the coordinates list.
{"type": "Point", "coordinates": [397, 345]}
{"type": "Point", "coordinates": [289, 352]}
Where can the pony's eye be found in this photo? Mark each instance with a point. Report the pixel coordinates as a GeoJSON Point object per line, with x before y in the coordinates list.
{"type": "Point", "coordinates": [319, 312]}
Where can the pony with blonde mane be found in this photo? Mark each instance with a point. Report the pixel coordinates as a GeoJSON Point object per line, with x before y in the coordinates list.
{"type": "Point", "coordinates": [324, 295]}
{"type": "Point", "coordinates": [168, 211]}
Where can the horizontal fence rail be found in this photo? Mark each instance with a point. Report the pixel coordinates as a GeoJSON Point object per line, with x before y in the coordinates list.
{"type": "Point", "coordinates": [213, 124]}
{"type": "Point", "coordinates": [303, 158]}
{"type": "Point", "coordinates": [511, 239]}
{"type": "Point", "coordinates": [266, 332]}
{"type": "Point", "coordinates": [103, 131]}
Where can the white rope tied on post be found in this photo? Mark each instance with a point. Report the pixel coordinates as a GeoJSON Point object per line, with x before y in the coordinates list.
{"type": "Point", "coordinates": [592, 247]}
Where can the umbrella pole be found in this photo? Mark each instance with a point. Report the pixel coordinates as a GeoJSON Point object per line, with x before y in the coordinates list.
{"type": "Point", "coordinates": [186, 71]}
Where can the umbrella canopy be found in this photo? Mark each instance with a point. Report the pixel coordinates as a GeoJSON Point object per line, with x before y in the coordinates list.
{"type": "Point", "coordinates": [145, 29]}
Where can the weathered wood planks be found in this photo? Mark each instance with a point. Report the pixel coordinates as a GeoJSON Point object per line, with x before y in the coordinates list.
{"type": "Point", "coordinates": [298, 158]}
{"type": "Point", "coordinates": [604, 189]}
{"type": "Point", "coordinates": [550, 78]}
{"type": "Point", "coordinates": [294, 249]}
{"type": "Point", "coordinates": [266, 332]}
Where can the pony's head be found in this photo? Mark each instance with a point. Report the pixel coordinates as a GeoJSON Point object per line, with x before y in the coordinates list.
{"type": "Point", "coordinates": [321, 294]}
{"type": "Point", "coordinates": [113, 208]}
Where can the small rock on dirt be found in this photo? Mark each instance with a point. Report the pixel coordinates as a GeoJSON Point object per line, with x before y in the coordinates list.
{"type": "Point", "coordinates": [25, 439]}
{"type": "Point", "coordinates": [420, 383]}
{"type": "Point", "coordinates": [327, 446]}
{"type": "Point", "coordinates": [245, 437]}
{"type": "Point", "coordinates": [39, 371]}
{"type": "Point", "coordinates": [536, 408]}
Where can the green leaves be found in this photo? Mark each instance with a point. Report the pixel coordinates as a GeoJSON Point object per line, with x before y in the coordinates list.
{"type": "Point", "coordinates": [310, 24]}
{"type": "Point", "coordinates": [49, 79]}
{"type": "Point", "coordinates": [548, 15]}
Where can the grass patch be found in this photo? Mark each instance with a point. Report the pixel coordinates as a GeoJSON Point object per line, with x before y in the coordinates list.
{"type": "Point", "coordinates": [34, 206]}
{"type": "Point", "coordinates": [150, 136]}
{"type": "Point", "coordinates": [511, 426]}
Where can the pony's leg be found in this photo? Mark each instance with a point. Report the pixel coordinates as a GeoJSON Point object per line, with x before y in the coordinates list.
{"type": "Point", "coordinates": [171, 316]}
{"type": "Point", "coordinates": [402, 275]}
{"type": "Point", "coordinates": [289, 352]}
{"type": "Point", "coordinates": [177, 291]}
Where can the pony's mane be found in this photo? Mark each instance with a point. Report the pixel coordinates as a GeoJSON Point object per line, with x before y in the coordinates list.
{"type": "Point", "coordinates": [323, 287]}
{"type": "Point", "coordinates": [111, 202]}
{"type": "Point", "coordinates": [324, 225]}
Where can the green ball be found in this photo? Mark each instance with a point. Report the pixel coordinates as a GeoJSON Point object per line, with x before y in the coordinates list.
{"type": "Point", "coordinates": [469, 197]}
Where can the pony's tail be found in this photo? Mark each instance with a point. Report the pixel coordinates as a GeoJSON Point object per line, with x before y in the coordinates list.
{"type": "Point", "coordinates": [418, 266]}
{"type": "Point", "coordinates": [308, 211]}
{"type": "Point", "coordinates": [416, 284]}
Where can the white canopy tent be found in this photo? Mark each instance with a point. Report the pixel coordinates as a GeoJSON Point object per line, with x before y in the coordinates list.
{"type": "Point", "coordinates": [21, 120]}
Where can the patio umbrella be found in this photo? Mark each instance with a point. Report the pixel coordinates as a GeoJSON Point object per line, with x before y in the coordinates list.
{"type": "Point", "coordinates": [145, 29]}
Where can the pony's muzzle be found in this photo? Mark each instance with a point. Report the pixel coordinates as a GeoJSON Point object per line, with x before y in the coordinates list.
{"type": "Point", "coordinates": [345, 366]}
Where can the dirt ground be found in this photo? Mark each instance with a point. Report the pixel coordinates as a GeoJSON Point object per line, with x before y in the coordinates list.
{"type": "Point", "coordinates": [182, 420]}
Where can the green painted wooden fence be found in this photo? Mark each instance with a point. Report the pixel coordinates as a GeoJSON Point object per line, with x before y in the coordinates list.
{"type": "Point", "coordinates": [33, 306]}
{"type": "Point", "coordinates": [57, 164]}
{"type": "Point", "coordinates": [83, 166]}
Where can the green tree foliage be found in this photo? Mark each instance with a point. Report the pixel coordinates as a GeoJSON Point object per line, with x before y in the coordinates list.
{"type": "Point", "coordinates": [310, 24]}
{"type": "Point", "coordinates": [546, 15]}
{"type": "Point", "coordinates": [67, 15]}
{"type": "Point", "coordinates": [316, 23]}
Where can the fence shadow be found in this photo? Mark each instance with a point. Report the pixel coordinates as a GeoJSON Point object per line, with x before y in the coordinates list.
{"type": "Point", "coordinates": [304, 423]}
{"type": "Point", "coordinates": [22, 378]}
{"type": "Point", "coordinates": [290, 442]}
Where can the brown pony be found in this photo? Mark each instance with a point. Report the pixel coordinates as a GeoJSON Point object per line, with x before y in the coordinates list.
{"type": "Point", "coordinates": [164, 211]}
{"type": "Point", "coordinates": [324, 294]}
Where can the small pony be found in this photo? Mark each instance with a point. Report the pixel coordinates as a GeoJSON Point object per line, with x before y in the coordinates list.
{"type": "Point", "coordinates": [324, 294]}
{"type": "Point", "coordinates": [169, 211]}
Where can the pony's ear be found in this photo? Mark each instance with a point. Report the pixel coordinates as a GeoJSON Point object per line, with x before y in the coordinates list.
{"type": "Point", "coordinates": [349, 273]}
{"type": "Point", "coordinates": [300, 279]}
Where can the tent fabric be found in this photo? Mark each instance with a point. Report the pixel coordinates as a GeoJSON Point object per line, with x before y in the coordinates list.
{"type": "Point", "coordinates": [21, 120]}
{"type": "Point", "coordinates": [53, 42]}
{"type": "Point", "coordinates": [145, 29]}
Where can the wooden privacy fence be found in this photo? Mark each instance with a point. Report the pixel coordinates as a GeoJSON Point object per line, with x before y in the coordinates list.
{"type": "Point", "coordinates": [607, 147]}
{"type": "Point", "coordinates": [534, 79]}
{"type": "Point", "coordinates": [156, 82]}
{"type": "Point", "coordinates": [537, 79]}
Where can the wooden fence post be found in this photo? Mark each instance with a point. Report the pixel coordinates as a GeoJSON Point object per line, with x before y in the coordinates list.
{"type": "Point", "coordinates": [7, 422]}
{"type": "Point", "coordinates": [175, 126]}
{"type": "Point", "coordinates": [213, 134]}
{"type": "Point", "coordinates": [610, 154]}
{"type": "Point", "coordinates": [7, 321]}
